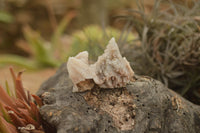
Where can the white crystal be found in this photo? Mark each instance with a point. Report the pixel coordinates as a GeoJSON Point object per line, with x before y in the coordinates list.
{"type": "Point", "coordinates": [79, 72]}
{"type": "Point", "coordinates": [110, 70]}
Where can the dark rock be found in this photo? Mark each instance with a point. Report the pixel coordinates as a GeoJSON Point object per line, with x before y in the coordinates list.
{"type": "Point", "coordinates": [144, 106]}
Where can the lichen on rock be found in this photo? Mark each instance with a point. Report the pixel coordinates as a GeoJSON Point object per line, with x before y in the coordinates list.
{"type": "Point", "coordinates": [110, 71]}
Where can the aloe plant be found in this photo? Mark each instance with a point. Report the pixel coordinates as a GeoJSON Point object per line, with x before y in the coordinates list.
{"type": "Point", "coordinates": [18, 112]}
{"type": "Point", "coordinates": [42, 51]}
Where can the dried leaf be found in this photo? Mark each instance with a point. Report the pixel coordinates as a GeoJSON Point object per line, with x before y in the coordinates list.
{"type": "Point", "coordinates": [38, 100]}
{"type": "Point", "coordinates": [5, 98]}
{"type": "Point", "coordinates": [6, 127]}
{"type": "Point", "coordinates": [20, 87]}
{"type": "Point", "coordinates": [17, 121]}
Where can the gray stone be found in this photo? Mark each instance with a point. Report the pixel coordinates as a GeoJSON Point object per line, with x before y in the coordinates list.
{"type": "Point", "coordinates": [143, 106]}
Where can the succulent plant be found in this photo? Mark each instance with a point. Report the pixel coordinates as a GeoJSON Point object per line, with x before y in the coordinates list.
{"type": "Point", "coordinates": [94, 39]}
{"type": "Point", "coordinates": [170, 44]}
{"type": "Point", "coordinates": [18, 112]}
{"type": "Point", "coordinates": [42, 53]}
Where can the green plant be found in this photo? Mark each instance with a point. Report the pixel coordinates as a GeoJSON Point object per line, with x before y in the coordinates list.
{"type": "Point", "coordinates": [94, 39]}
{"type": "Point", "coordinates": [43, 53]}
{"type": "Point", "coordinates": [6, 17]}
{"type": "Point", "coordinates": [52, 54]}
{"type": "Point", "coordinates": [18, 113]}
{"type": "Point", "coordinates": [170, 44]}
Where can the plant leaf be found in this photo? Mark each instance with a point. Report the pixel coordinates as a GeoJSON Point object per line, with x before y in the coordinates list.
{"type": "Point", "coordinates": [6, 17]}
{"type": "Point", "coordinates": [38, 100]}
{"type": "Point", "coordinates": [6, 127]}
{"type": "Point", "coordinates": [17, 60]}
{"type": "Point", "coordinates": [5, 98]}
{"type": "Point", "coordinates": [4, 113]}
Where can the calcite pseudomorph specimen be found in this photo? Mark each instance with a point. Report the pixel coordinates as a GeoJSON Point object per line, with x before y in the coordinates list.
{"type": "Point", "coordinates": [110, 71]}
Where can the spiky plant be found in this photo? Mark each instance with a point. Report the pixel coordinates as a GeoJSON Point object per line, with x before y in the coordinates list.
{"type": "Point", "coordinates": [94, 39]}
{"type": "Point", "coordinates": [18, 112]}
{"type": "Point", "coordinates": [43, 53]}
{"type": "Point", "coordinates": [170, 44]}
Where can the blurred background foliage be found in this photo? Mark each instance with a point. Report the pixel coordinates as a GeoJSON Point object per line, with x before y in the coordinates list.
{"type": "Point", "coordinates": [169, 47]}
{"type": "Point", "coordinates": [161, 38]}
{"type": "Point", "coordinates": [94, 39]}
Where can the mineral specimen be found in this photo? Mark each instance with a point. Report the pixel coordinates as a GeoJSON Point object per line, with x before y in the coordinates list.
{"type": "Point", "coordinates": [80, 73]}
{"type": "Point", "coordinates": [110, 70]}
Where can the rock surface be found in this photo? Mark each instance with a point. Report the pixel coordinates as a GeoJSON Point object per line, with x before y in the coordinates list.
{"type": "Point", "coordinates": [110, 71]}
{"type": "Point", "coordinates": [143, 106]}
